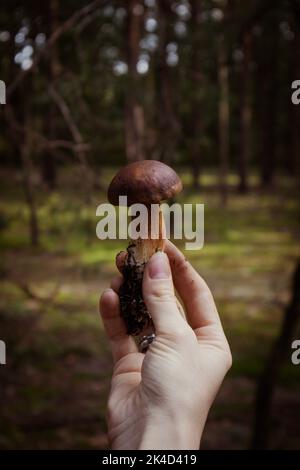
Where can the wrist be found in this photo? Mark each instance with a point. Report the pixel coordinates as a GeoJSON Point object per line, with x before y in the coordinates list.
{"type": "Point", "coordinates": [170, 432]}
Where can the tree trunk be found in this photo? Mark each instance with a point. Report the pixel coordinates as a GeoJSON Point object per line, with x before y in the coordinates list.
{"type": "Point", "coordinates": [295, 109]}
{"type": "Point", "coordinates": [48, 163]}
{"type": "Point", "coordinates": [279, 352]}
{"type": "Point", "coordinates": [134, 113]}
{"type": "Point", "coordinates": [27, 171]}
{"type": "Point", "coordinates": [197, 84]}
{"type": "Point", "coordinates": [246, 116]}
{"type": "Point", "coordinates": [169, 127]}
{"type": "Point", "coordinates": [268, 83]}
{"type": "Point", "coordinates": [223, 111]}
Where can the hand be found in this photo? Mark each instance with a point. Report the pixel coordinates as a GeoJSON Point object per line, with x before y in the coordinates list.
{"type": "Point", "coordinates": [160, 400]}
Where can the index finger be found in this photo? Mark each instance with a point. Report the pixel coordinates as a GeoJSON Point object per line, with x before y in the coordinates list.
{"type": "Point", "coordinates": [193, 290]}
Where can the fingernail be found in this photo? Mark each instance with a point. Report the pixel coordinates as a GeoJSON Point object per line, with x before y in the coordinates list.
{"type": "Point", "coordinates": [158, 266]}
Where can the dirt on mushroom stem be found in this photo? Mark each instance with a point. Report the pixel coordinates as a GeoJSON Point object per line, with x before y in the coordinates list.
{"type": "Point", "coordinates": [133, 308]}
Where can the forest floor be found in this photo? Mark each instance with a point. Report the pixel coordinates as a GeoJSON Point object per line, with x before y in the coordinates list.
{"type": "Point", "coordinates": [54, 386]}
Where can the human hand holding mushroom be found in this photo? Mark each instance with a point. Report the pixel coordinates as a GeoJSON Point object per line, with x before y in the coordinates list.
{"type": "Point", "coordinates": [160, 400]}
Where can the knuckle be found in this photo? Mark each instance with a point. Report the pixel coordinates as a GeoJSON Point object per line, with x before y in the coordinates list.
{"type": "Point", "coordinates": [161, 293]}
{"type": "Point", "coordinates": [206, 295]}
{"type": "Point", "coordinates": [180, 333]}
{"type": "Point", "coordinates": [119, 367]}
{"type": "Point", "coordinates": [183, 334]}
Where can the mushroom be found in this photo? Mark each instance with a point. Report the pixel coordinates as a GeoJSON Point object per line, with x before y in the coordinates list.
{"type": "Point", "coordinates": [146, 182]}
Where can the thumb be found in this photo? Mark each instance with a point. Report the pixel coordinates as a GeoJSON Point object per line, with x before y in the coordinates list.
{"type": "Point", "coordinates": [159, 297]}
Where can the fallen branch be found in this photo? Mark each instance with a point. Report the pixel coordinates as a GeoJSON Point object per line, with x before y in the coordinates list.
{"type": "Point", "coordinates": [38, 139]}
{"type": "Point", "coordinates": [67, 115]}
{"type": "Point", "coordinates": [76, 134]}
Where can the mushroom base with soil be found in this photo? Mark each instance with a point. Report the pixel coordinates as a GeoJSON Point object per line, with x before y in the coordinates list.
{"type": "Point", "coordinates": [133, 309]}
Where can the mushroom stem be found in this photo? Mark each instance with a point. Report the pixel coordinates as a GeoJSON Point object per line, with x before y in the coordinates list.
{"type": "Point", "coordinates": [143, 248]}
{"type": "Point", "coordinates": [133, 309]}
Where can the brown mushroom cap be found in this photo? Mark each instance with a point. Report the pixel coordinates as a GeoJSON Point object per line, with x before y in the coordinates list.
{"type": "Point", "coordinates": [145, 182]}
